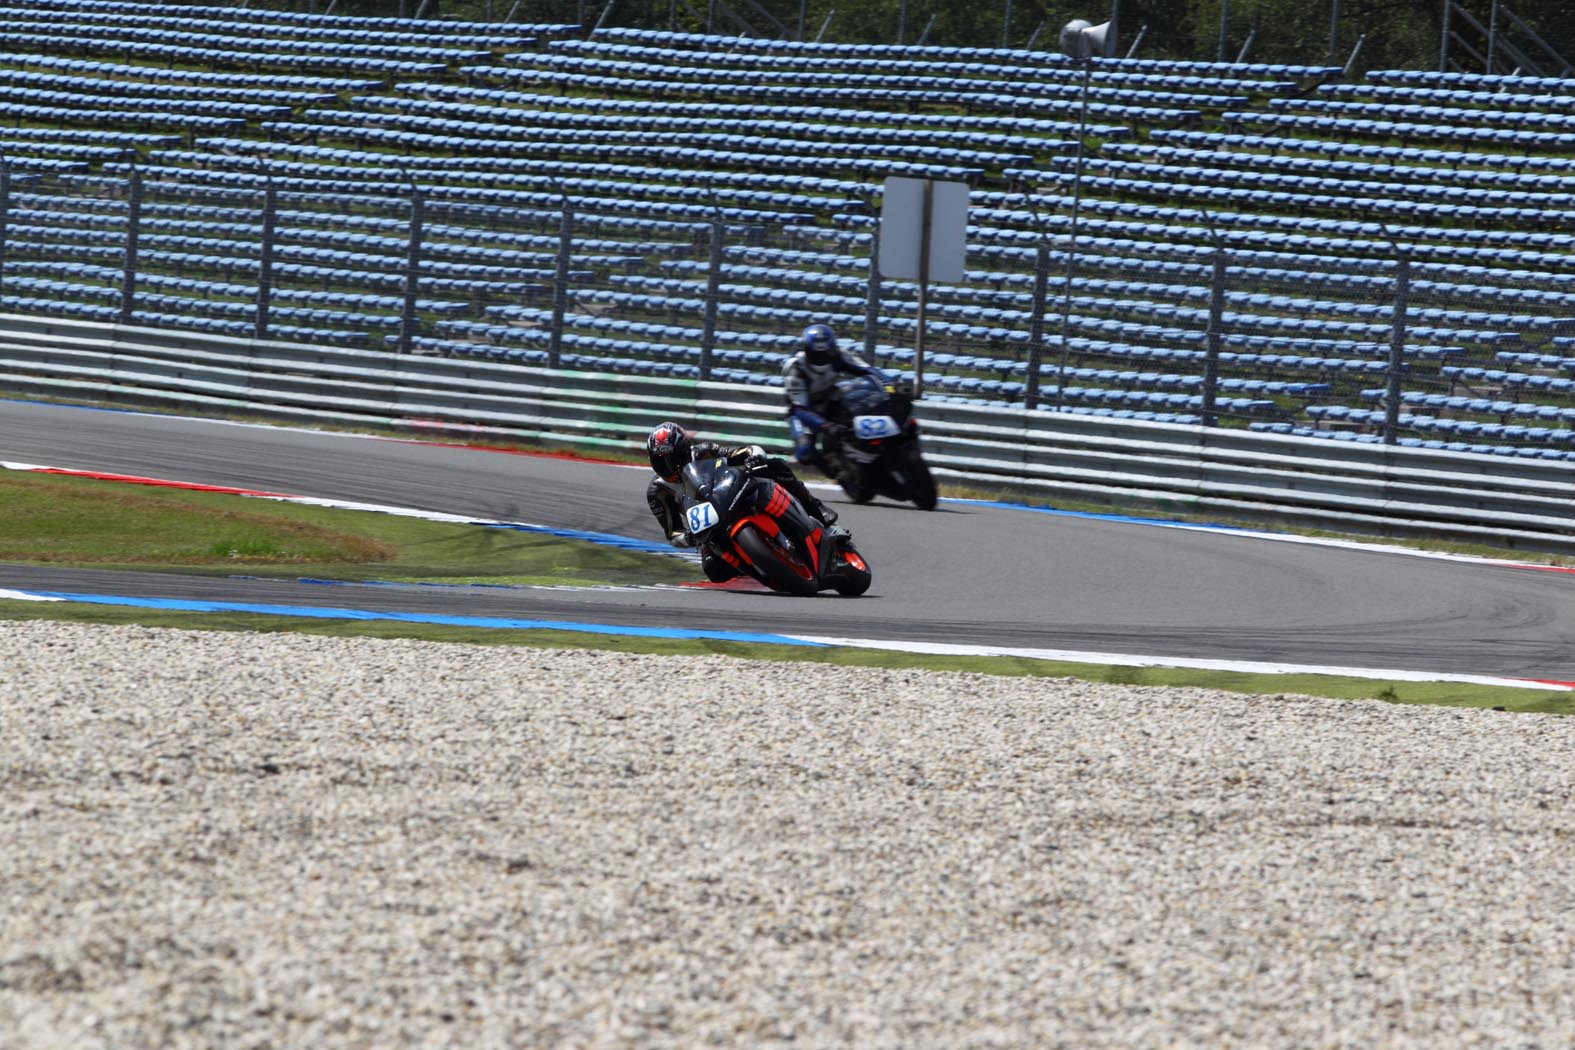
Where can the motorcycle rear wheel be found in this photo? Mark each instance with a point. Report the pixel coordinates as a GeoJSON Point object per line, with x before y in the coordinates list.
{"type": "Point", "coordinates": [779, 571]}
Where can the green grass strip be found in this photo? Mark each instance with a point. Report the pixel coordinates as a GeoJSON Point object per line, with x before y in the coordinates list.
{"type": "Point", "coordinates": [61, 520]}
{"type": "Point", "coordinates": [1447, 694]}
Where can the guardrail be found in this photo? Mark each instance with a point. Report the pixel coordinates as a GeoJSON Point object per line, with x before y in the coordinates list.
{"type": "Point", "coordinates": [1516, 502]}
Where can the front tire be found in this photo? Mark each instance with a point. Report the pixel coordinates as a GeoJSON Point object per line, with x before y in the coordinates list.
{"type": "Point", "coordinates": [842, 469]}
{"type": "Point", "coordinates": [849, 575]}
{"type": "Point", "coordinates": [921, 484]}
{"type": "Point", "coordinates": [777, 569]}
{"type": "Point", "coordinates": [855, 482]}
{"type": "Point", "coordinates": [852, 582]}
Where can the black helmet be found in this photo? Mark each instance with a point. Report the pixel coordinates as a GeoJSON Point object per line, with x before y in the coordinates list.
{"type": "Point", "coordinates": [668, 447]}
{"type": "Point", "coordinates": [820, 344]}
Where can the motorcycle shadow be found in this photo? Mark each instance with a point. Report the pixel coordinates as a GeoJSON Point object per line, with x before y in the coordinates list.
{"type": "Point", "coordinates": [747, 586]}
{"type": "Point", "coordinates": [849, 510]}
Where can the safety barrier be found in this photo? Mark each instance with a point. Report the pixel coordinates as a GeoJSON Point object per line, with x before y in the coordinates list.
{"type": "Point", "coordinates": [1518, 502]}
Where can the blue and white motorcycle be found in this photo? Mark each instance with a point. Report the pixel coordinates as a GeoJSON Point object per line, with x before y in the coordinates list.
{"type": "Point", "coordinates": [872, 446]}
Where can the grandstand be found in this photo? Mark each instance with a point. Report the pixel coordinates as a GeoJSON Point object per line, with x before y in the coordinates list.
{"type": "Point", "coordinates": [681, 205]}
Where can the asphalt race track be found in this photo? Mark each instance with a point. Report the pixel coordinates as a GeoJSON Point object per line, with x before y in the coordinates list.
{"type": "Point", "coordinates": [965, 573]}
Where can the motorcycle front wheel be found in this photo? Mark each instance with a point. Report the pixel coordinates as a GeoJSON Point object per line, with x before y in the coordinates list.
{"type": "Point", "coordinates": [921, 485]}
{"type": "Point", "coordinates": [852, 574]}
{"type": "Point", "coordinates": [847, 473]}
{"type": "Point", "coordinates": [855, 481]}
{"type": "Point", "coordinates": [779, 569]}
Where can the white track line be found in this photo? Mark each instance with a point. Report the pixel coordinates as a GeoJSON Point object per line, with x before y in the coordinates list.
{"type": "Point", "coordinates": [1129, 660]}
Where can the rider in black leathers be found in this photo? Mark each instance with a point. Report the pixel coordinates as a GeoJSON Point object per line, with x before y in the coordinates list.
{"type": "Point", "coordinates": [669, 447]}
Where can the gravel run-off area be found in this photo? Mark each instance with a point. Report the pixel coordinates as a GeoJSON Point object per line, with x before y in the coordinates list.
{"type": "Point", "coordinates": [238, 840]}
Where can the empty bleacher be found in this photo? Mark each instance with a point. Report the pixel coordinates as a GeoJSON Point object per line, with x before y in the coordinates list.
{"type": "Point", "coordinates": [413, 180]}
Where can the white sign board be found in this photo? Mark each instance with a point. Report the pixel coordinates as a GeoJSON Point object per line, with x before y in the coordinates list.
{"type": "Point", "coordinates": [902, 222]}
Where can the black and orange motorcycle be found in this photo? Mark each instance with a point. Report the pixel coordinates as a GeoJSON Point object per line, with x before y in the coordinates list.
{"type": "Point", "coordinates": [756, 526]}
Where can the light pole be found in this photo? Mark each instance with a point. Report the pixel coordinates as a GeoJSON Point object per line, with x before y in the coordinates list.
{"type": "Point", "coordinates": [1079, 41]}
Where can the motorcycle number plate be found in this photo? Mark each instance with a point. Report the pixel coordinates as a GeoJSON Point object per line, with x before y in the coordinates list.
{"type": "Point", "coordinates": [869, 428]}
{"type": "Point", "coordinates": [700, 517]}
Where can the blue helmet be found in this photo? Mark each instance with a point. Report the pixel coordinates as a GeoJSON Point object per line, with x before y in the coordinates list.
{"type": "Point", "coordinates": [820, 344]}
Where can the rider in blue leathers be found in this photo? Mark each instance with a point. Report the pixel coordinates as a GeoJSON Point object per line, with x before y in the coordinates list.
{"type": "Point", "coordinates": [809, 381]}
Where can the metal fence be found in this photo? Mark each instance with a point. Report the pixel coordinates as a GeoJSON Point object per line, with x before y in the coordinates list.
{"type": "Point", "coordinates": [1210, 320]}
{"type": "Point", "coordinates": [1060, 456]}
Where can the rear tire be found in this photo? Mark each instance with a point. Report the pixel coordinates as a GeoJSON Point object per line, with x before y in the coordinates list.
{"type": "Point", "coordinates": [773, 564]}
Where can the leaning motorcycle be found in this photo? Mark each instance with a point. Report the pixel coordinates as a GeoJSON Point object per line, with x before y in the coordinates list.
{"type": "Point", "coordinates": [872, 447]}
{"type": "Point", "coordinates": [756, 526]}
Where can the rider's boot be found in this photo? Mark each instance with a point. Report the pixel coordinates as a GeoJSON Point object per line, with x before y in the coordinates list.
{"type": "Point", "coordinates": [810, 502]}
{"type": "Point", "coordinates": [817, 509]}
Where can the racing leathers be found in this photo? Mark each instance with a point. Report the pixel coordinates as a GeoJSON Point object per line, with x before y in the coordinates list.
{"type": "Point", "coordinates": [811, 394]}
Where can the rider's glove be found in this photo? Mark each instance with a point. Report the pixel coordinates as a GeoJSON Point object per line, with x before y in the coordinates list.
{"type": "Point", "coordinates": [681, 539]}
{"type": "Point", "coordinates": [755, 462]}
